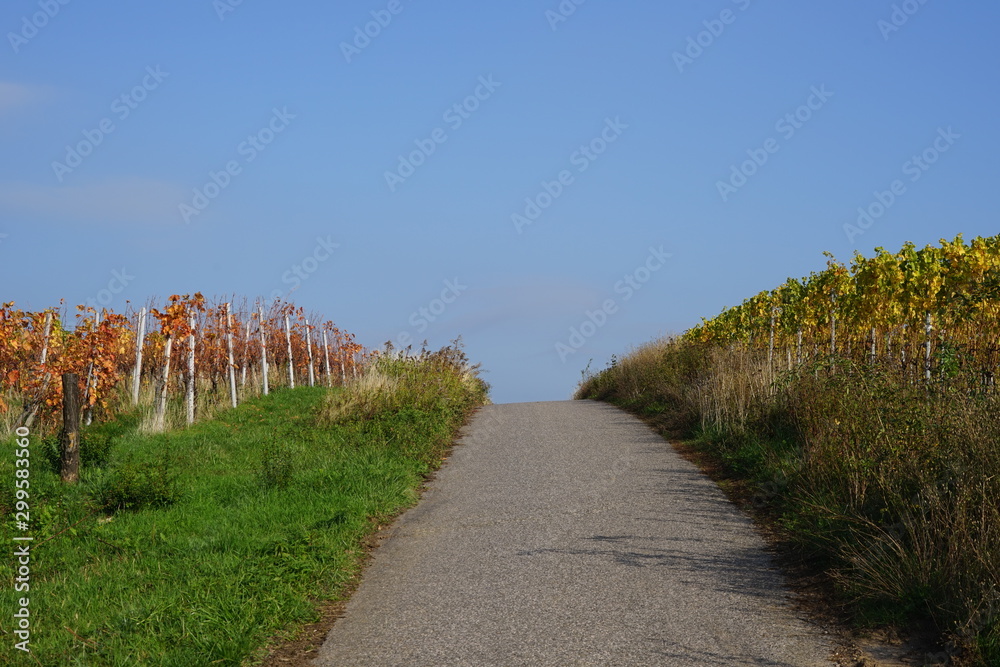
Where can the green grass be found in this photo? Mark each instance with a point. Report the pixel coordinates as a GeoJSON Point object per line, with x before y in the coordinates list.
{"type": "Point", "coordinates": [234, 529]}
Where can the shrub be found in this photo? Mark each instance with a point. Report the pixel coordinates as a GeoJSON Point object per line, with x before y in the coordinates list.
{"type": "Point", "coordinates": [96, 446]}
{"type": "Point", "coordinates": [133, 486]}
{"type": "Point", "coordinates": [428, 382]}
{"type": "Point", "coordinates": [276, 467]}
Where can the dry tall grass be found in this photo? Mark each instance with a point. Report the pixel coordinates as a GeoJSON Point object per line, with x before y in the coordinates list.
{"type": "Point", "coordinates": [424, 382]}
{"type": "Point", "coordinates": [896, 483]}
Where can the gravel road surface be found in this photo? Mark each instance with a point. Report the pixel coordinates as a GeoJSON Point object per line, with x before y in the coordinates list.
{"type": "Point", "coordinates": [568, 533]}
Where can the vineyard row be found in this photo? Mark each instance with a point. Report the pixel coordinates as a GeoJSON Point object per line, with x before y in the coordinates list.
{"type": "Point", "coordinates": [930, 310]}
{"type": "Point", "coordinates": [188, 348]}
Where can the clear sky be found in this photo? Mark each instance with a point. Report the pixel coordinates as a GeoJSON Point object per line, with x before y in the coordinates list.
{"type": "Point", "coordinates": [517, 170]}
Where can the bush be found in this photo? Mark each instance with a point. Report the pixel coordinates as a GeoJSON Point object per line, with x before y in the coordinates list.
{"type": "Point", "coordinates": [401, 399]}
{"type": "Point", "coordinates": [276, 467]}
{"type": "Point", "coordinates": [133, 486]}
{"type": "Point", "coordinates": [427, 382]}
{"type": "Point", "coordinates": [95, 449]}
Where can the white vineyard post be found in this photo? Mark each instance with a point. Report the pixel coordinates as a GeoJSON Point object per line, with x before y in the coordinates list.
{"type": "Point", "coordinates": [189, 396]}
{"type": "Point", "coordinates": [770, 346]}
{"type": "Point", "coordinates": [928, 328]}
{"type": "Point", "coordinates": [903, 344]}
{"type": "Point", "coordinates": [246, 352]}
{"type": "Point", "coordinates": [140, 337]}
{"type": "Point", "coordinates": [160, 411]}
{"type": "Point", "coordinates": [229, 349]}
{"type": "Point", "coordinates": [309, 348]}
{"type": "Point", "coordinates": [46, 332]}
{"type": "Point", "coordinates": [263, 349]}
{"type": "Point", "coordinates": [326, 359]}
{"type": "Point", "coordinates": [88, 413]}
{"type": "Point", "coordinates": [833, 332]}
{"type": "Point", "coordinates": [833, 324]}
{"type": "Point", "coordinates": [291, 366]}
{"type": "Point", "coordinates": [31, 407]}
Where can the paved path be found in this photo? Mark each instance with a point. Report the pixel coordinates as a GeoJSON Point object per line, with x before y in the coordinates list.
{"type": "Point", "coordinates": [568, 533]}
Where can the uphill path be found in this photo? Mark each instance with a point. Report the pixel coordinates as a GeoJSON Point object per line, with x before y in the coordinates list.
{"type": "Point", "coordinates": [568, 533]}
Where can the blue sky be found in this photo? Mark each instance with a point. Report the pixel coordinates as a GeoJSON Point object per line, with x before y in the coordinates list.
{"type": "Point", "coordinates": [666, 160]}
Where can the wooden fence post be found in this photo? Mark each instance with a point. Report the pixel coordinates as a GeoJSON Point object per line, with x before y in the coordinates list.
{"type": "Point", "coordinates": [69, 439]}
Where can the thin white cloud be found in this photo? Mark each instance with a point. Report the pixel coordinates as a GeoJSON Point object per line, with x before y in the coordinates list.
{"type": "Point", "coordinates": [124, 200]}
{"type": "Point", "coordinates": [15, 95]}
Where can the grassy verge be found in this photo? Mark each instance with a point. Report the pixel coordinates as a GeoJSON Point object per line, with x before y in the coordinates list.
{"type": "Point", "coordinates": [891, 487]}
{"type": "Point", "coordinates": [200, 546]}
